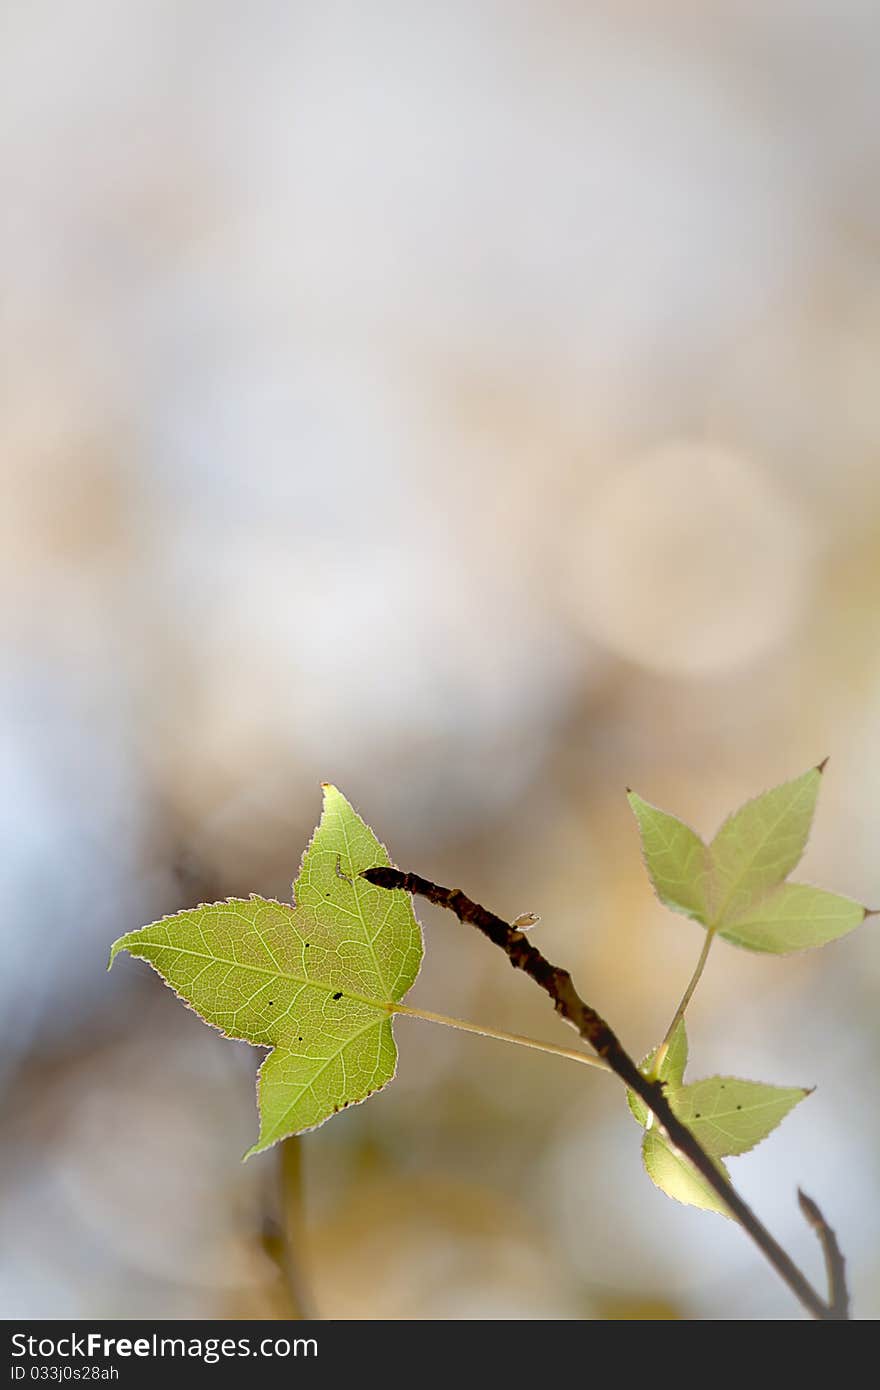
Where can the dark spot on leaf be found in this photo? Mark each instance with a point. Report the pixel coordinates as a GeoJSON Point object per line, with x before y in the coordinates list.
{"type": "Point", "coordinates": [739, 1107]}
{"type": "Point", "coordinates": [271, 1003]}
{"type": "Point", "coordinates": [698, 1116]}
{"type": "Point", "coordinates": [299, 1039]}
{"type": "Point", "coordinates": [338, 996]}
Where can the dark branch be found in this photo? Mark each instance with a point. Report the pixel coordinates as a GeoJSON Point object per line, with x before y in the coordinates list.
{"type": "Point", "coordinates": [557, 983]}
{"type": "Point", "coordinates": [835, 1265]}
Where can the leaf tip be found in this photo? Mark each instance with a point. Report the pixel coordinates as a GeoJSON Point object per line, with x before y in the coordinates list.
{"type": "Point", "coordinates": [820, 767]}
{"type": "Point", "coordinates": [332, 794]}
{"type": "Point", "coordinates": [260, 1146]}
{"type": "Point", "coordinates": [117, 946]}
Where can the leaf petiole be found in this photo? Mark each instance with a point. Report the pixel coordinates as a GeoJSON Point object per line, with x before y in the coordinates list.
{"type": "Point", "coordinates": [486, 1032]}
{"type": "Point", "coordinates": [660, 1055]}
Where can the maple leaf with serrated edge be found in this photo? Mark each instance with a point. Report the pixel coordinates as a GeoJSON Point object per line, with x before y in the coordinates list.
{"type": "Point", "coordinates": [727, 1117]}
{"type": "Point", "coordinates": [736, 886]}
{"type": "Point", "coordinates": [314, 981]}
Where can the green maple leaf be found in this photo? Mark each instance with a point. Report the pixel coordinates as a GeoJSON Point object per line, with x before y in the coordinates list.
{"type": "Point", "coordinates": [315, 981]}
{"type": "Point", "coordinates": [726, 1115]}
{"type": "Point", "coordinates": [736, 886]}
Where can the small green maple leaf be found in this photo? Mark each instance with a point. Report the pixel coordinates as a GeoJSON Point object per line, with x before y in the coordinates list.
{"type": "Point", "coordinates": [736, 885]}
{"type": "Point", "coordinates": [727, 1116]}
{"type": "Point", "coordinates": [314, 981]}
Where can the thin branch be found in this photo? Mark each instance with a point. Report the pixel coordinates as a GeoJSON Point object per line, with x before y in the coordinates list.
{"type": "Point", "coordinates": [557, 983]}
{"type": "Point", "coordinates": [686, 998]}
{"type": "Point", "coordinates": [290, 1196]}
{"type": "Point", "coordinates": [835, 1265]}
{"type": "Point", "coordinates": [519, 1038]}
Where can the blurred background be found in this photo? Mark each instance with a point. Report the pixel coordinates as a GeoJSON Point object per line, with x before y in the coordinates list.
{"type": "Point", "coordinates": [475, 405]}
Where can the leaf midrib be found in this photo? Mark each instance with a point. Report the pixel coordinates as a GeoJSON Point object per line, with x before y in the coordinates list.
{"type": "Point", "coordinates": [718, 917]}
{"type": "Point", "coordinates": [380, 974]}
{"type": "Point", "coordinates": [718, 1116]}
{"type": "Point", "coordinates": [751, 916]}
{"type": "Point", "coordinates": [374, 1023]}
{"type": "Point", "coordinates": [381, 1005]}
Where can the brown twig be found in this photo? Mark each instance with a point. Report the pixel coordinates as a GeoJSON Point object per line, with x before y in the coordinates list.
{"type": "Point", "coordinates": [557, 983]}
{"type": "Point", "coordinates": [835, 1265]}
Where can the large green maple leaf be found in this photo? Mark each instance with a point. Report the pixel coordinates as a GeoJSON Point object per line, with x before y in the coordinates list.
{"type": "Point", "coordinates": [315, 981]}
